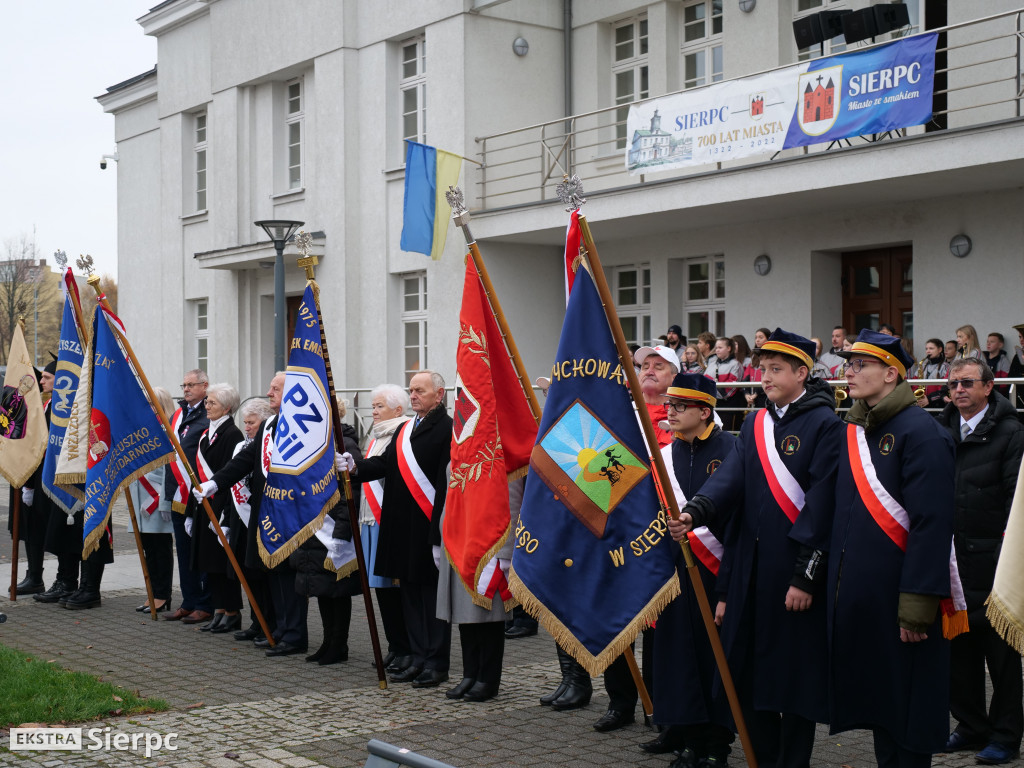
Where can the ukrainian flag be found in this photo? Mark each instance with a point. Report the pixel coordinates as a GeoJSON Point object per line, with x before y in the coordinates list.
{"type": "Point", "coordinates": [425, 215]}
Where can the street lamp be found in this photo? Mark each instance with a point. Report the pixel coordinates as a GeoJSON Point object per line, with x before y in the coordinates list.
{"type": "Point", "coordinates": [279, 230]}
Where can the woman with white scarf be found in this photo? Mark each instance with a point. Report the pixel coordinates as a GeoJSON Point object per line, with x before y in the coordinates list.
{"type": "Point", "coordinates": [390, 404]}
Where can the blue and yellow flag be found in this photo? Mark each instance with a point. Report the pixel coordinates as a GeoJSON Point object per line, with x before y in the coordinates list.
{"type": "Point", "coordinates": [126, 440]}
{"type": "Point", "coordinates": [593, 558]}
{"type": "Point", "coordinates": [302, 484]}
{"type": "Point", "coordinates": [425, 211]}
{"type": "Point", "coordinates": [70, 356]}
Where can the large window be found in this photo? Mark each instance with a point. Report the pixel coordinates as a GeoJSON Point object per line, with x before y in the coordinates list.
{"type": "Point", "coordinates": [202, 334]}
{"type": "Point", "coordinates": [629, 70]}
{"type": "Point", "coordinates": [633, 301]}
{"type": "Point", "coordinates": [702, 42]}
{"type": "Point", "coordinates": [810, 8]}
{"type": "Point", "coordinates": [414, 323]}
{"type": "Point", "coordinates": [705, 296]}
{"type": "Point", "coordinates": [413, 87]}
{"type": "Point", "coordinates": [199, 157]}
{"type": "Point", "coordinates": [294, 114]}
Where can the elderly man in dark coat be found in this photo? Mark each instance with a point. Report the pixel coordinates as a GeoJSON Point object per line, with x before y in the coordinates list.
{"type": "Point", "coordinates": [413, 468]}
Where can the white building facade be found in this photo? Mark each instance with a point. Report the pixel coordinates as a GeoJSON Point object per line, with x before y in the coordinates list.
{"type": "Point", "coordinates": [261, 109]}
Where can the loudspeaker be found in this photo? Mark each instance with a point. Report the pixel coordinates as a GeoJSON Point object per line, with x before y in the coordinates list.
{"type": "Point", "coordinates": [807, 32]}
{"type": "Point", "coordinates": [859, 25]}
{"type": "Point", "coordinates": [831, 23]}
{"type": "Point", "coordinates": [890, 16]}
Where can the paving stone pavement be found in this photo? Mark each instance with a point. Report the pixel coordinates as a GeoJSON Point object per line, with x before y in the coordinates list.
{"type": "Point", "coordinates": [231, 706]}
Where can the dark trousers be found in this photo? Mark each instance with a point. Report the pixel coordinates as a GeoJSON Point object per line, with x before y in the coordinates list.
{"type": "Point", "coordinates": [289, 607]}
{"type": "Point", "coordinates": [521, 618]}
{"type": "Point", "coordinates": [1003, 723]}
{"type": "Point", "coordinates": [889, 754]}
{"type": "Point", "coordinates": [225, 593]}
{"type": "Point", "coordinates": [430, 639]}
{"type": "Point", "coordinates": [195, 595]}
{"type": "Point", "coordinates": [34, 540]}
{"type": "Point", "coordinates": [483, 649]}
{"type": "Point", "coordinates": [259, 585]}
{"type": "Point", "coordinates": [618, 682]}
{"type": "Point", "coordinates": [389, 602]}
{"type": "Point", "coordinates": [159, 551]}
{"type": "Point", "coordinates": [68, 565]}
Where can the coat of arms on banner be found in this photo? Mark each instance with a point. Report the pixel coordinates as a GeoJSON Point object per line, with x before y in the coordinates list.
{"type": "Point", "coordinates": [587, 466]}
{"type": "Point", "coordinates": [819, 99]}
{"type": "Point", "coordinates": [757, 104]}
{"type": "Point", "coordinates": [466, 412]}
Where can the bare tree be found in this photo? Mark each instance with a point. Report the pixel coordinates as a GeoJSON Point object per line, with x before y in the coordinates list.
{"type": "Point", "coordinates": [27, 287]}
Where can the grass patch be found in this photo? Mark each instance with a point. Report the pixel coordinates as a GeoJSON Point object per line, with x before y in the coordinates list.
{"type": "Point", "coordinates": [33, 691]}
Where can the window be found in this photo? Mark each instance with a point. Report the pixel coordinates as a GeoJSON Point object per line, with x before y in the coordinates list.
{"type": "Point", "coordinates": [811, 8]}
{"type": "Point", "coordinates": [413, 88]}
{"type": "Point", "coordinates": [199, 153]}
{"type": "Point", "coordinates": [705, 296]}
{"type": "Point", "coordinates": [633, 301]}
{"type": "Point", "coordinates": [629, 70]}
{"type": "Point", "coordinates": [202, 334]}
{"type": "Point", "coordinates": [293, 132]}
{"type": "Point", "coordinates": [702, 42]}
{"type": "Point", "coordinates": [414, 323]}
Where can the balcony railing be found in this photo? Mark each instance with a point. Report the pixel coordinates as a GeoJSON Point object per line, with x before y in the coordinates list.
{"type": "Point", "coordinates": [978, 80]}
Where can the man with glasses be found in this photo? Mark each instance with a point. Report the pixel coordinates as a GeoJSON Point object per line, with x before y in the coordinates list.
{"type": "Point", "coordinates": [989, 444]}
{"type": "Point", "coordinates": [189, 421]}
{"type": "Point", "coordinates": [889, 562]}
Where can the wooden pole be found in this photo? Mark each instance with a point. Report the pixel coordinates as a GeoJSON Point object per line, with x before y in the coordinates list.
{"type": "Point", "coordinates": [142, 555]}
{"type": "Point", "coordinates": [94, 281]}
{"type": "Point", "coordinates": [626, 361]}
{"type": "Point", "coordinates": [16, 511]}
{"type": "Point", "coordinates": [308, 262]}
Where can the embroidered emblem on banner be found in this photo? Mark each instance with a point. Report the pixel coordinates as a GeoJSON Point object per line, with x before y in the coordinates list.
{"type": "Point", "coordinates": [790, 444]}
{"type": "Point", "coordinates": [588, 465]}
{"type": "Point", "coordinates": [886, 444]}
{"type": "Point", "coordinates": [819, 105]}
{"type": "Point", "coordinates": [466, 413]}
{"type": "Point", "coordinates": [99, 437]}
{"type": "Point", "coordinates": [303, 429]}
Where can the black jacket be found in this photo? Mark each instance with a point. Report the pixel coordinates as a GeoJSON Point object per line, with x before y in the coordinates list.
{"type": "Point", "coordinates": [207, 554]}
{"type": "Point", "coordinates": [189, 431]}
{"type": "Point", "coordinates": [987, 463]}
{"type": "Point", "coordinates": [248, 461]}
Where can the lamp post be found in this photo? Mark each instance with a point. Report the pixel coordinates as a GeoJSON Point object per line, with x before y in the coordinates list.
{"type": "Point", "coordinates": [279, 230]}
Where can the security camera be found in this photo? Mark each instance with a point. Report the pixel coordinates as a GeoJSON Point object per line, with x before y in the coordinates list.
{"type": "Point", "coordinates": [103, 160]}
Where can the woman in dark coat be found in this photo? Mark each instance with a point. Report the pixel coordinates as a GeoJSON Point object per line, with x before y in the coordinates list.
{"type": "Point", "coordinates": [333, 589]}
{"type": "Point", "coordinates": [216, 447]}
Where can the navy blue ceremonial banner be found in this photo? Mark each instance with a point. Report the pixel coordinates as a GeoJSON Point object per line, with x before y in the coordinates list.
{"type": "Point", "coordinates": [70, 355]}
{"type": "Point", "coordinates": [126, 439]}
{"type": "Point", "coordinates": [302, 484]}
{"type": "Point", "coordinates": [593, 559]}
{"type": "Point", "coordinates": [864, 92]}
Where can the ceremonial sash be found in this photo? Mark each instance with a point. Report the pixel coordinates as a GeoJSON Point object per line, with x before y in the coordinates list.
{"type": "Point", "coordinates": [373, 491]}
{"type": "Point", "coordinates": [154, 497]}
{"type": "Point", "coordinates": [181, 479]}
{"type": "Point", "coordinates": [240, 493]}
{"type": "Point", "coordinates": [492, 581]}
{"type": "Point", "coordinates": [267, 449]}
{"type": "Point", "coordinates": [202, 466]}
{"type": "Point", "coordinates": [705, 546]}
{"type": "Point", "coordinates": [415, 479]}
{"type": "Point", "coordinates": [785, 489]}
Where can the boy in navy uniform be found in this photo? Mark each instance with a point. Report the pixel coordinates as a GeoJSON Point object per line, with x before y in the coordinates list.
{"type": "Point", "coordinates": [779, 488]}
{"type": "Point", "coordinates": [889, 563]}
{"type": "Point", "coordinates": [684, 664]}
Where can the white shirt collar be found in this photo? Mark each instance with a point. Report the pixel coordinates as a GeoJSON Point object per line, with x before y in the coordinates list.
{"type": "Point", "coordinates": [975, 419]}
{"type": "Point", "coordinates": [781, 411]}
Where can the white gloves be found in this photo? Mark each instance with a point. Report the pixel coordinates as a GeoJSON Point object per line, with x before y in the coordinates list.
{"type": "Point", "coordinates": [188, 525]}
{"type": "Point", "coordinates": [27, 495]}
{"type": "Point", "coordinates": [504, 565]}
{"type": "Point", "coordinates": [436, 552]}
{"type": "Point", "coordinates": [205, 491]}
{"type": "Point", "coordinates": [165, 515]}
{"type": "Point", "coordinates": [343, 462]}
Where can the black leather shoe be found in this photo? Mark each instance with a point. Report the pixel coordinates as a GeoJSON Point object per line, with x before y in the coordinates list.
{"type": "Point", "coordinates": [575, 696]}
{"type": "Point", "coordinates": [388, 660]}
{"type": "Point", "coordinates": [249, 634]}
{"type": "Point", "coordinates": [481, 691]}
{"type": "Point", "coordinates": [83, 599]}
{"type": "Point", "coordinates": [957, 742]}
{"type": "Point", "coordinates": [227, 624]}
{"type": "Point", "coordinates": [144, 608]}
{"type": "Point", "coordinates": [261, 642]}
{"type": "Point", "coordinates": [667, 741]}
{"type": "Point", "coordinates": [407, 675]}
{"type": "Point", "coordinates": [687, 759]}
{"type": "Point", "coordinates": [285, 649]}
{"type": "Point", "coordinates": [614, 719]}
{"type": "Point", "coordinates": [430, 678]}
{"type": "Point", "coordinates": [29, 586]}
{"type": "Point", "coordinates": [457, 692]}
{"type": "Point", "coordinates": [212, 623]}
{"type": "Point", "coordinates": [399, 664]}
{"type": "Point", "coordinates": [56, 591]}
{"type": "Point", "coordinates": [63, 601]}
{"type": "Point", "coordinates": [514, 633]}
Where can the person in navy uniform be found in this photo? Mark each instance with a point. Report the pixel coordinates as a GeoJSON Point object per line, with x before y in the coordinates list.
{"type": "Point", "coordinates": [778, 488]}
{"type": "Point", "coordinates": [684, 664]}
{"type": "Point", "coordinates": [889, 562]}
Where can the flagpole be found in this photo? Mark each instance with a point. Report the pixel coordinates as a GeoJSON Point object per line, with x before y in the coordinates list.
{"type": "Point", "coordinates": [94, 281]}
{"type": "Point", "coordinates": [308, 262]}
{"type": "Point", "coordinates": [626, 361]}
{"type": "Point", "coordinates": [142, 554]}
{"type": "Point", "coordinates": [16, 511]}
{"type": "Point", "coordinates": [461, 217]}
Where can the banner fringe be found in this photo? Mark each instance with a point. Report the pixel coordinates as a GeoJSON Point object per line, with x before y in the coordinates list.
{"type": "Point", "coordinates": [482, 600]}
{"type": "Point", "coordinates": [296, 541]}
{"type": "Point", "coordinates": [515, 474]}
{"type": "Point", "coordinates": [594, 665]}
{"type": "Point", "coordinates": [60, 504]}
{"type": "Point", "coordinates": [92, 540]}
{"type": "Point", "coordinates": [1006, 625]}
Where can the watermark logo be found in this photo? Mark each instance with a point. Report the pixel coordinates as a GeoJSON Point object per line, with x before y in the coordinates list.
{"type": "Point", "coordinates": [92, 739]}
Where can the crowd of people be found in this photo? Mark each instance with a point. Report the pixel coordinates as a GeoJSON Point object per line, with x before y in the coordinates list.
{"type": "Point", "coordinates": [781, 510]}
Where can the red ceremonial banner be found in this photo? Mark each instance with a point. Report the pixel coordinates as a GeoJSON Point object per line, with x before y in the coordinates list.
{"type": "Point", "coordinates": [491, 445]}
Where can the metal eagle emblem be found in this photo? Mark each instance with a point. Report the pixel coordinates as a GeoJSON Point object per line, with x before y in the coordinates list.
{"type": "Point", "coordinates": [570, 191]}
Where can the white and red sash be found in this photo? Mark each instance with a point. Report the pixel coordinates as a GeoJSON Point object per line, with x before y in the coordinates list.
{"type": "Point", "coordinates": [151, 492]}
{"type": "Point", "coordinates": [182, 482]}
{"type": "Point", "coordinates": [373, 491]}
{"type": "Point", "coordinates": [267, 448]}
{"type": "Point", "coordinates": [240, 495]}
{"type": "Point", "coordinates": [202, 466]}
{"type": "Point", "coordinates": [415, 479]}
{"type": "Point", "coordinates": [705, 546]}
{"type": "Point", "coordinates": [785, 489]}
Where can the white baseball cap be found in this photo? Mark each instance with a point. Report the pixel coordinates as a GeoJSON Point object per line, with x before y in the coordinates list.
{"type": "Point", "coordinates": [665, 353]}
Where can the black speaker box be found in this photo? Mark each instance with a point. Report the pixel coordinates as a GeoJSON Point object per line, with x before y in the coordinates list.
{"type": "Point", "coordinates": [859, 25]}
{"type": "Point", "coordinates": [807, 32]}
{"type": "Point", "coordinates": [831, 23]}
{"type": "Point", "coordinates": [890, 16]}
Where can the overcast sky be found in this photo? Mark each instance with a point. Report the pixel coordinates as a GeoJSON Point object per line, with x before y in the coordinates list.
{"type": "Point", "coordinates": [57, 56]}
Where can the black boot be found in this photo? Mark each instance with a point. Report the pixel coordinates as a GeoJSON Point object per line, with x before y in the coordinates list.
{"type": "Point", "coordinates": [326, 619]}
{"type": "Point", "coordinates": [59, 589]}
{"type": "Point", "coordinates": [564, 660]}
{"type": "Point", "coordinates": [88, 595]}
{"type": "Point", "coordinates": [338, 648]}
{"type": "Point", "coordinates": [32, 584]}
{"type": "Point", "coordinates": [577, 694]}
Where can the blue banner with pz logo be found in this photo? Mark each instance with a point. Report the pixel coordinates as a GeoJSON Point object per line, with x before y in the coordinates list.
{"type": "Point", "coordinates": [302, 483]}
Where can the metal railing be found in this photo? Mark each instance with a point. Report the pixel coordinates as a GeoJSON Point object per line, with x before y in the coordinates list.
{"type": "Point", "coordinates": [983, 84]}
